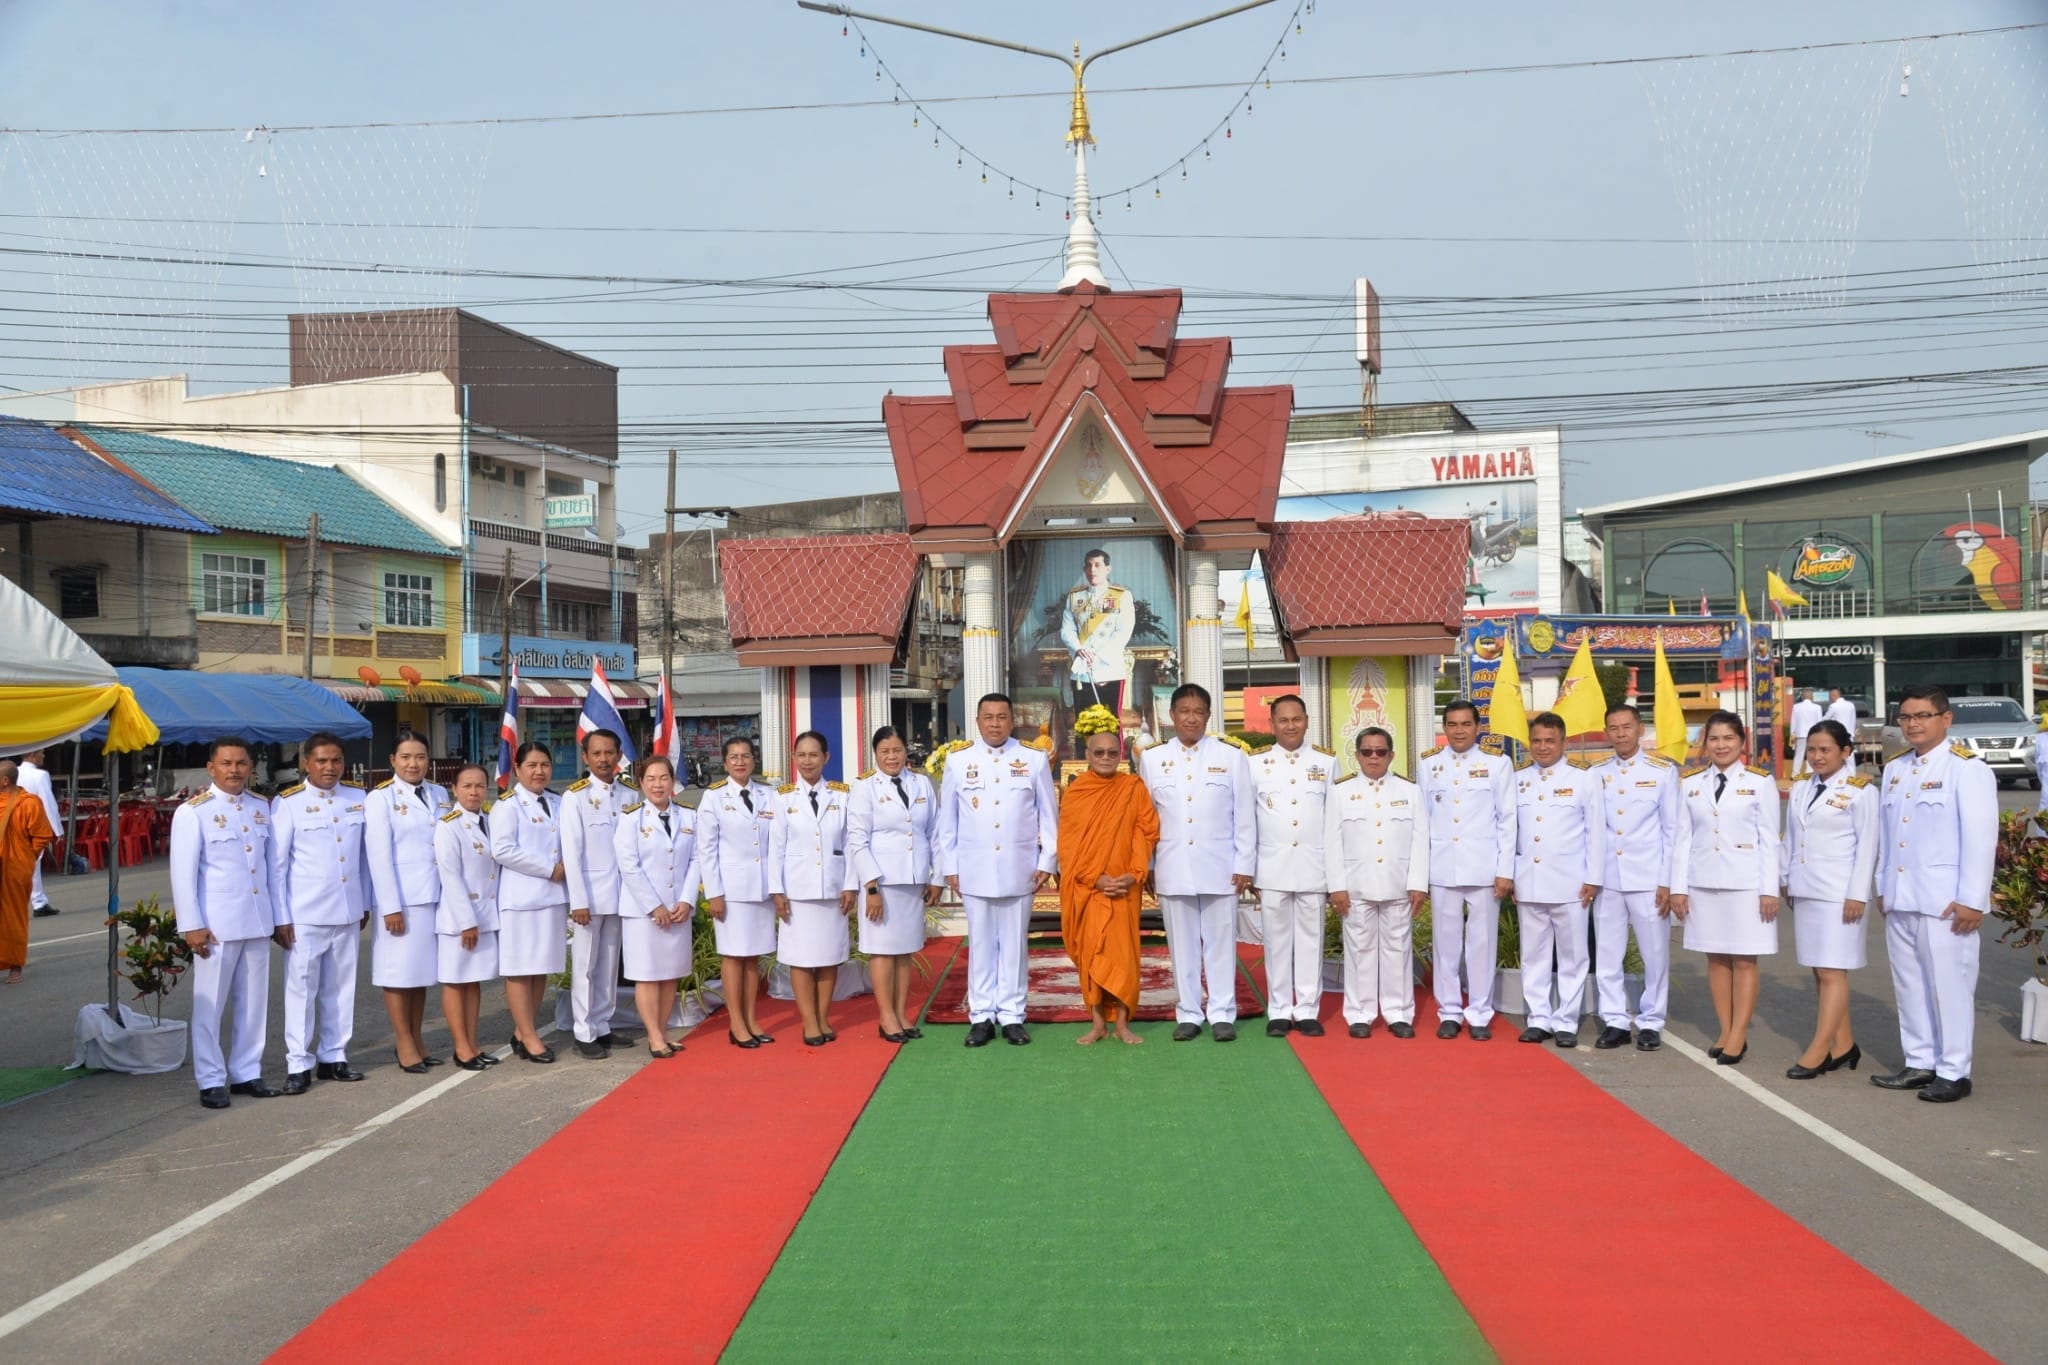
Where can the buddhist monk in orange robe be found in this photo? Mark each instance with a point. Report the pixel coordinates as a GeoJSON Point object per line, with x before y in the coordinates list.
{"type": "Point", "coordinates": [1107, 832]}
{"type": "Point", "coordinates": [24, 833]}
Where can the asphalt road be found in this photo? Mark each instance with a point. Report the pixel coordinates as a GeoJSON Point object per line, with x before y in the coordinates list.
{"type": "Point", "coordinates": [91, 1169]}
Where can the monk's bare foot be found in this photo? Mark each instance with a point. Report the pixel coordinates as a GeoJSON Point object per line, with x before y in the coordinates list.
{"type": "Point", "coordinates": [1124, 1035]}
{"type": "Point", "coordinates": [1094, 1035]}
{"type": "Point", "coordinates": [14, 976]}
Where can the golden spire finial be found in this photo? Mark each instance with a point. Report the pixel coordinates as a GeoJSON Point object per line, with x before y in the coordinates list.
{"type": "Point", "coordinates": [1077, 130]}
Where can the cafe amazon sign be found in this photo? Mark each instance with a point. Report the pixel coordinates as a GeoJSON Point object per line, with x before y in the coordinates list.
{"type": "Point", "coordinates": [1823, 564]}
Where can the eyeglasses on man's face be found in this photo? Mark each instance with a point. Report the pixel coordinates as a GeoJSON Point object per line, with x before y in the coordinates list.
{"type": "Point", "coordinates": [1906, 716]}
{"type": "Point", "coordinates": [1375, 753]}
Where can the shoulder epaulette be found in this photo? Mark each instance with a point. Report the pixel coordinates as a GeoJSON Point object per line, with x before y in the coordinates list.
{"type": "Point", "coordinates": [785, 789]}
{"type": "Point", "coordinates": [1525, 763]}
{"type": "Point", "coordinates": [293, 790]}
{"type": "Point", "coordinates": [1434, 752]}
{"type": "Point", "coordinates": [1759, 769]}
{"type": "Point", "coordinates": [202, 798]}
{"type": "Point", "coordinates": [1658, 760]}
{"type": "Point", "coordinates": [578, 785]}
{"type": "Point", "coordinates": [382, 785]}
{"type": "Point", "coordinates": [1237, 742]}
{"type": "Point", "coordinates": [1580, 761]}
{"type": "Point", "coordinates": [719, 783]}
{"type": "Point", "coordinates": [868, 774]}
{"type": "Point", "coordinates": [1802, 774]}
{"type": "Point", "coordinates": [1697, 769]}
{"type": "Point", "coordinates": [1326, 753]}
{"type": "Point", "coordinates": [1346, 778]}
{"type": "Point", "coordinates": [629, 784]}
{"type": "Point", "coordinates": [1859, 780]}
{"type": "Point", "coordinates": [451, 815]}
{"type": "Point", "coordinates": [1492, 744]}
{"type": "Point", "coordinates": [628, 810]}
{"type": "Point", "coordinates": [837, 786]}
{"type": "Point", "coordinates": [1962, 751]}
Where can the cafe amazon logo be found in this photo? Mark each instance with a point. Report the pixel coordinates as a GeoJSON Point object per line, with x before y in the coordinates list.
{"type": "Point", "coordinates": [1822, 563]}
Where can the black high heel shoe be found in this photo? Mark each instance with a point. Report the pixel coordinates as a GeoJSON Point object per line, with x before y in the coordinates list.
{"type": "Point", "coordinates": [764, 1037]}
{"type": "Point", "coordinates": [1732, 1058]}
{"type": "Point", "coordinates": [1799, 1071]}
{"type": "Point", "coordinates": [818, 1040]}
{"type": "Point", "coordinates": [1715, 1053]}
{"type": "Point", "coordinates": [476, 1063]}
{"type": "Point", "coordinates": [1848, 1059]}
{"type": "Point", "coordinates": [546, 1053]}
{"type": "Point", "coordinates": [913, 1032]}
{"type": "Point", "coordinates": [749, 1043]}
{"type": "Point", "coordinates": [889, 1037]}
{"type": "Point", "coordinates": [418, 1068]}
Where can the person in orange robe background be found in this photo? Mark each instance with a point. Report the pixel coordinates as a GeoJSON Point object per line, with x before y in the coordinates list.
{"type": "Point", "coordinates": [1107, 831]}
{"type": "Point", "coordinates": [24, 833]}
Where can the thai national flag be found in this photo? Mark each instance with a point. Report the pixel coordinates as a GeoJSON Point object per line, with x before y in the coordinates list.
{"type": "Point", "coordinates": [668, 737]}
{"type": "Point", "coordinates": [601, 712]}
{"type": "Point", "coordinates": [508, 732]}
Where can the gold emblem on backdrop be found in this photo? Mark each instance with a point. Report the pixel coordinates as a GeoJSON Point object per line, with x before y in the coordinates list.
{"type": "Point", "coordinates": [1093, 476]}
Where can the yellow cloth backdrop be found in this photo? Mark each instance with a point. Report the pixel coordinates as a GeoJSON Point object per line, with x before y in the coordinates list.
{"type": "Point", "coordinates": [33, 715]}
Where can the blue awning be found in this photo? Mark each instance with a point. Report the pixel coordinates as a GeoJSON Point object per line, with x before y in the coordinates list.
{"type": "Point", "coordinates": [193, 708]}
{"type": "Point", "coordinates": [45, 473]}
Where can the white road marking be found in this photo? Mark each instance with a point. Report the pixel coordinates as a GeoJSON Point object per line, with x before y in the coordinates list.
{"type": "Point", "coordinates": [101, 935]}
{"type": "Point", "coordinates": [1933, 1195]}
{"type": "Point", "coordinates": [219, 1208]}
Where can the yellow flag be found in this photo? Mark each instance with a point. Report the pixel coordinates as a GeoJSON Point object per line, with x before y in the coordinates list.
{"type": "Point", "coordinates": [1508, 718]}
{"type": "Point", "coordinates": [1780, 592]}
{"type": "Point", "coordinates": [1670, 607]}
{"type": "Point", "coordinates": [1244, 610]}
{"type": "Point", "coordinates": [1668, 713]}
{"type": "Point", "coordinates": [1742, 602]}
{"type": "Point", "coordinates": [1581, 703]}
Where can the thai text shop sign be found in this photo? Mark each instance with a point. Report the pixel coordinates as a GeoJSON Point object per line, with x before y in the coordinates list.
{"type": "Point", "coordinates": [543, 658]}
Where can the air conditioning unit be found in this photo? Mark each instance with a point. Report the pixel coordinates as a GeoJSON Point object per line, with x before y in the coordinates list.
{"type": "Point", "coordinates": [485, 467]}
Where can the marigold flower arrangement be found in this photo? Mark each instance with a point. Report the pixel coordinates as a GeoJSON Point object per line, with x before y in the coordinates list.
{"type": "Point", "coordinates": [1096, 720]}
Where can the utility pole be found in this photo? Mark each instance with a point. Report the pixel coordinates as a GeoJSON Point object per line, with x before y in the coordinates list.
{"type": "Point", "coordinates": [312, 584]}
{"type": "Point", "coordinates": [505, 629]}
{"type": "Point", "coordinates": [668, 580]}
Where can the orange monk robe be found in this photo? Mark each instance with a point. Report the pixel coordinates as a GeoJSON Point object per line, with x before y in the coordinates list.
{"type": "Point", "coordinates": [1107, 829]}
{"type": "Point", "coordinates": [24, 833]}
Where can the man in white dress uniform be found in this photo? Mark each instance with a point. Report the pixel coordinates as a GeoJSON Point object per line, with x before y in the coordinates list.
{"type": "Point", "coordinates": [1292, 780]}
{"type": "Point", "coordinates": [1468, 798]}
{"type": "Point", "coordinates": [1208, 851]}
{"type": "Point", "coordinates": [316, 879]}
{"type": "Point", "coordinates": [590, 869]}
{"type": "Point", "coordinates": [220, 887]}
{"type": "Point", "coordinates": [1560, 851]}
{"type": "Point", "coordinates": [1842, 711]}
{"type": "Point", "coordinates": [1939, 820]}
{"type": "Point", "coordinates": [34, 779]}
{"type": "Point", "coordinates": [1639, 797]}
{"type": "Point", "coordinates": [1377, 848]}
{"type": "Point", "coordinates": [1806, 714]}
{"type": "Point", "coordinates": [998, 844]}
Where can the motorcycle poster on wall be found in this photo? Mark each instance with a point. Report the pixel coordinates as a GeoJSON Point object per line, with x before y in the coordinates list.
{"type": "Point", "coordinates": [1501, 569]}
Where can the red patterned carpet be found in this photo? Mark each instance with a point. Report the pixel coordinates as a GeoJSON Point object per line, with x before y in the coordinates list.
{"type": "Point", "coordinates": [1055, 989]}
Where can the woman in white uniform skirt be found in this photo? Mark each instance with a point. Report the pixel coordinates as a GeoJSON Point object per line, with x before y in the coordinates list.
{"type": "Point", "coordinates": [655, 843]}
{"type": "Point", "coordinates": [398, 838]}
{"type": "Point", "coordinates": [1830, 862]}
{"type": "Point", "coordinates": [1724, 876]}
{"type": "Point", "coordinates": [889, 844]}
{"type": "Point", "coordinates": [466, 924]}
{"type": "Point", "coordinates": [733, 820]}
{"type": "Point", "coordinates": [533, 901]}
{"type": "Point", "coordinates": [807, 875]}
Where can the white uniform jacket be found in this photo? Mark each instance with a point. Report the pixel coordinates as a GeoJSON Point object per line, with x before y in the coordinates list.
{"type": "Point", "coordinates": [1560, 835]}
{"type": "Point", "coordinates": [890, 843]}
{"type": "Point", "coordinates": [999, 819]}
{"type": "Point", "coordinates": [220, 866]}
{"type": "Point", "coordinates": [807, 848]}
{"type": "Point", "coordinates": [590, 815]}
{"type": "Point", "coordinates": [1376, 842]}
{"type": "Point", "coordinates": [1806, 713]}
{"type": "Point", "coordinates": [1293, 790]}
{"type": "Point", "coordinates": [657, 867]}
{"type": "Point", "coordinates": [1208, 821]}
{"type": "Point", "coordinates": [527, 842]}
{"type": "Point", "coordinates": [1831, 838]}
{"type": "Point", "coordinates": [316, 854]}
{"type": "Point", "coordinates": [469, 874]}
{"type": "Point", "coordinates": [1468, 801]}
{"type": "Point", "coordinates": [1940, 832]}
{"type": "Point", "coordinates": [1730, 844]}
{"type": "Point", "coordinates": [732, 841]}
{"type": "Point", "coordinates": [1639, 798]}
{"type": "Point", "coordinates": [398, 836]}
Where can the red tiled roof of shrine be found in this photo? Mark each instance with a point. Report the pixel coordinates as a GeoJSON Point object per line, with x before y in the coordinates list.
{"type": "Point", "coordinates": [846, 596]}
{"type": "Point", "coordinates": [1396, 583]}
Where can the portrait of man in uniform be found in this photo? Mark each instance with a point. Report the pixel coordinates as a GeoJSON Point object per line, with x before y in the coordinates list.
{"type": "Point", "coordinates": [1096, 625]}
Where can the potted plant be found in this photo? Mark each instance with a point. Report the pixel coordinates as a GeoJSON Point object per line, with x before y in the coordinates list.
{"type": "Point", "coordinates": [140, 1042]}
{"type": "Point", "coordinates": [2019, 900]}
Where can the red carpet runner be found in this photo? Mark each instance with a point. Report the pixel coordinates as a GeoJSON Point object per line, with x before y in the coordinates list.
{"type": "Point", "coordinates": [1576, 1230]}
{"type": "Point", "coordinates": [534, 1223]}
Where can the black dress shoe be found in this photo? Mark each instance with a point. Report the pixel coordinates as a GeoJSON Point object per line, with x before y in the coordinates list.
{"type": "Point", "coordinates": [1648, 1040]}
{"type": "Point", "coordinates": [489, 1058]}
{"type": "Point", "coordinates": [44, 912]}
{"type": "Point", "coordinates": [831, 1036]}
{"type": "Point", "coordinates": [817, 1040]}
{"type": "Point", "coordinates": [1532, 1034]}
{"type": "Point", "coordinates": [1567, 1040]}
{"type": "Point", "coordinates": [1015, 1036]}
{"type": "Point", "coordinates": [764, 1038]}
{"type": "Point", "coordinates": [981, 1035]}
{"type": "Point", "coordinates": [1732, 1058]}
{"type": "Point", "coordinates": [1848, 1059]}
{"type": "Point", "coordinates": [214, 1097]}
{"type": "Point", "coordinates": [913, 1032]}
{"type": "Point", "coordinates": [1279, 1028]}
{"type": "Point", "coordinates": [737, 1042]}
{"type": "Point", "coordinates": [519, 1050]}
{"type": "Point", "coordinates": [429, 1059]}
{"type": "Point", "coordinates": [1225, 1032]}
{"type": "Point", "coordinates": [298, 1082]}
{"type": "Point", "coordinates": [1482, 1033]}
{"type": "Point", "coordinates": [1799, 1071]}
{"type": "Point", "coordinates": [1611, 1037]}
{"type": "Point", "coordinates": [592, 1049]}
{"type": "Point", "coordinates": [1905, 1078]}
{"type": "Point", "coordinates": [1360, 1030]}
{"type": "Point", "coordinates": [889, 1037]}
{"type": "Point", "coordinates": [418, 1068]}
{"type": "Point", "coordinates": [257, 1089]}
{"type": "Point", "coordinates": [341, 1071]}
{"type": "Point", "coordinates": [1400, 1030]}
{"type": "Point", "coordinates": [1309, 1028]}
{"type": "Point", "coordinates": [476, 1063]}
{"type": "Point", "coordinates": [1715, 1053]}
{"type": "Point", "coordinates": [1942, 1090]}
{"type": "Point", "coordinates": [1447, 1029]}
{"type": "Point", "coordinates": [615, 1040]}
{"type": "Point", "coordinates": [1186, 1032]}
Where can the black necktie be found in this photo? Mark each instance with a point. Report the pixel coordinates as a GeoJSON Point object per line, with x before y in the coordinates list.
{"type": "Point", "coordinates": [1720, 785]}
{"type": "Point", "coordinates": [747, 799]}
{"type": "Point", "coordinates": [814, 801]}
{"type": "Point", "coordinates": [901, 795]}
{"type": "Point", "coordinates": [664, 823]}
{"type": "Point", "coordinates": [543, 799]}
{"type": "Point", "coordinates": [1818, 788]}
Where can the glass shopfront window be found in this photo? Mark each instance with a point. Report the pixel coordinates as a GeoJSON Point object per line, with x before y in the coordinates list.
{"type": "Point", "coordinates": [1938, 562]}
{"type": "Point", "coordinates": [1826, 560]}
{"type": "Point", "coordinates": [1965, 665]}
{"type": "Point", "coordinates": [1696, 562]}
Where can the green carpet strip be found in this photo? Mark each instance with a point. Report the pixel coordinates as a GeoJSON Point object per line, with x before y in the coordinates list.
{"type": "Point", "coordinates": [1173, 1201]}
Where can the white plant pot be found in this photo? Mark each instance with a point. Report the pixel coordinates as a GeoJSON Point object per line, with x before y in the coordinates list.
{"type": "Point", "coordinates": [1507, 991]}
{"type": "Point", "coordinates": [1250, 928]}
{"type": "Point", "coordinates": [1333, 974]}
{"type": "Point", "coordinates": [2034, 1013]}
{"type": "Point", "coordinates": [137, 1045]}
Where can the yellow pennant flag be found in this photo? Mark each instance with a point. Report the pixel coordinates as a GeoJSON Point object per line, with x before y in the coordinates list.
{"type": "Point", "coordinates": [1742, 602]}
{"type": "Point", "coordinates": [1244, 610]}
{"type": "Point", "coordinates": [1581, 703]}
{"type": "Point", "coordinates": [1508, 718]}
{"type": "Point", "coordinates": [1780, 592]}
{"type": "Point", "coordinates": [1668, 713]}
{"type": "Point", "coordinates": [1670, 606]}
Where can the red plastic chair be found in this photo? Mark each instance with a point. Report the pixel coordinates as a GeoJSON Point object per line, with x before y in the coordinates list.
{"type": "Point", "coordinates": [92, 841]}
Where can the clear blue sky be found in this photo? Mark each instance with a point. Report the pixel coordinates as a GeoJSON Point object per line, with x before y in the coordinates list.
{"type": "Point", "coordinates": [1478, 187]}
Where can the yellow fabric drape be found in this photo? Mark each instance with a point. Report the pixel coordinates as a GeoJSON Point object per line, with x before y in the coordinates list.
{"type": "Point", "coordinates": [1506, 716]}
{"type": "Point", "coordinates": [29, 715]}
{"type": "Point", "coordinates": [1581, 702]}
